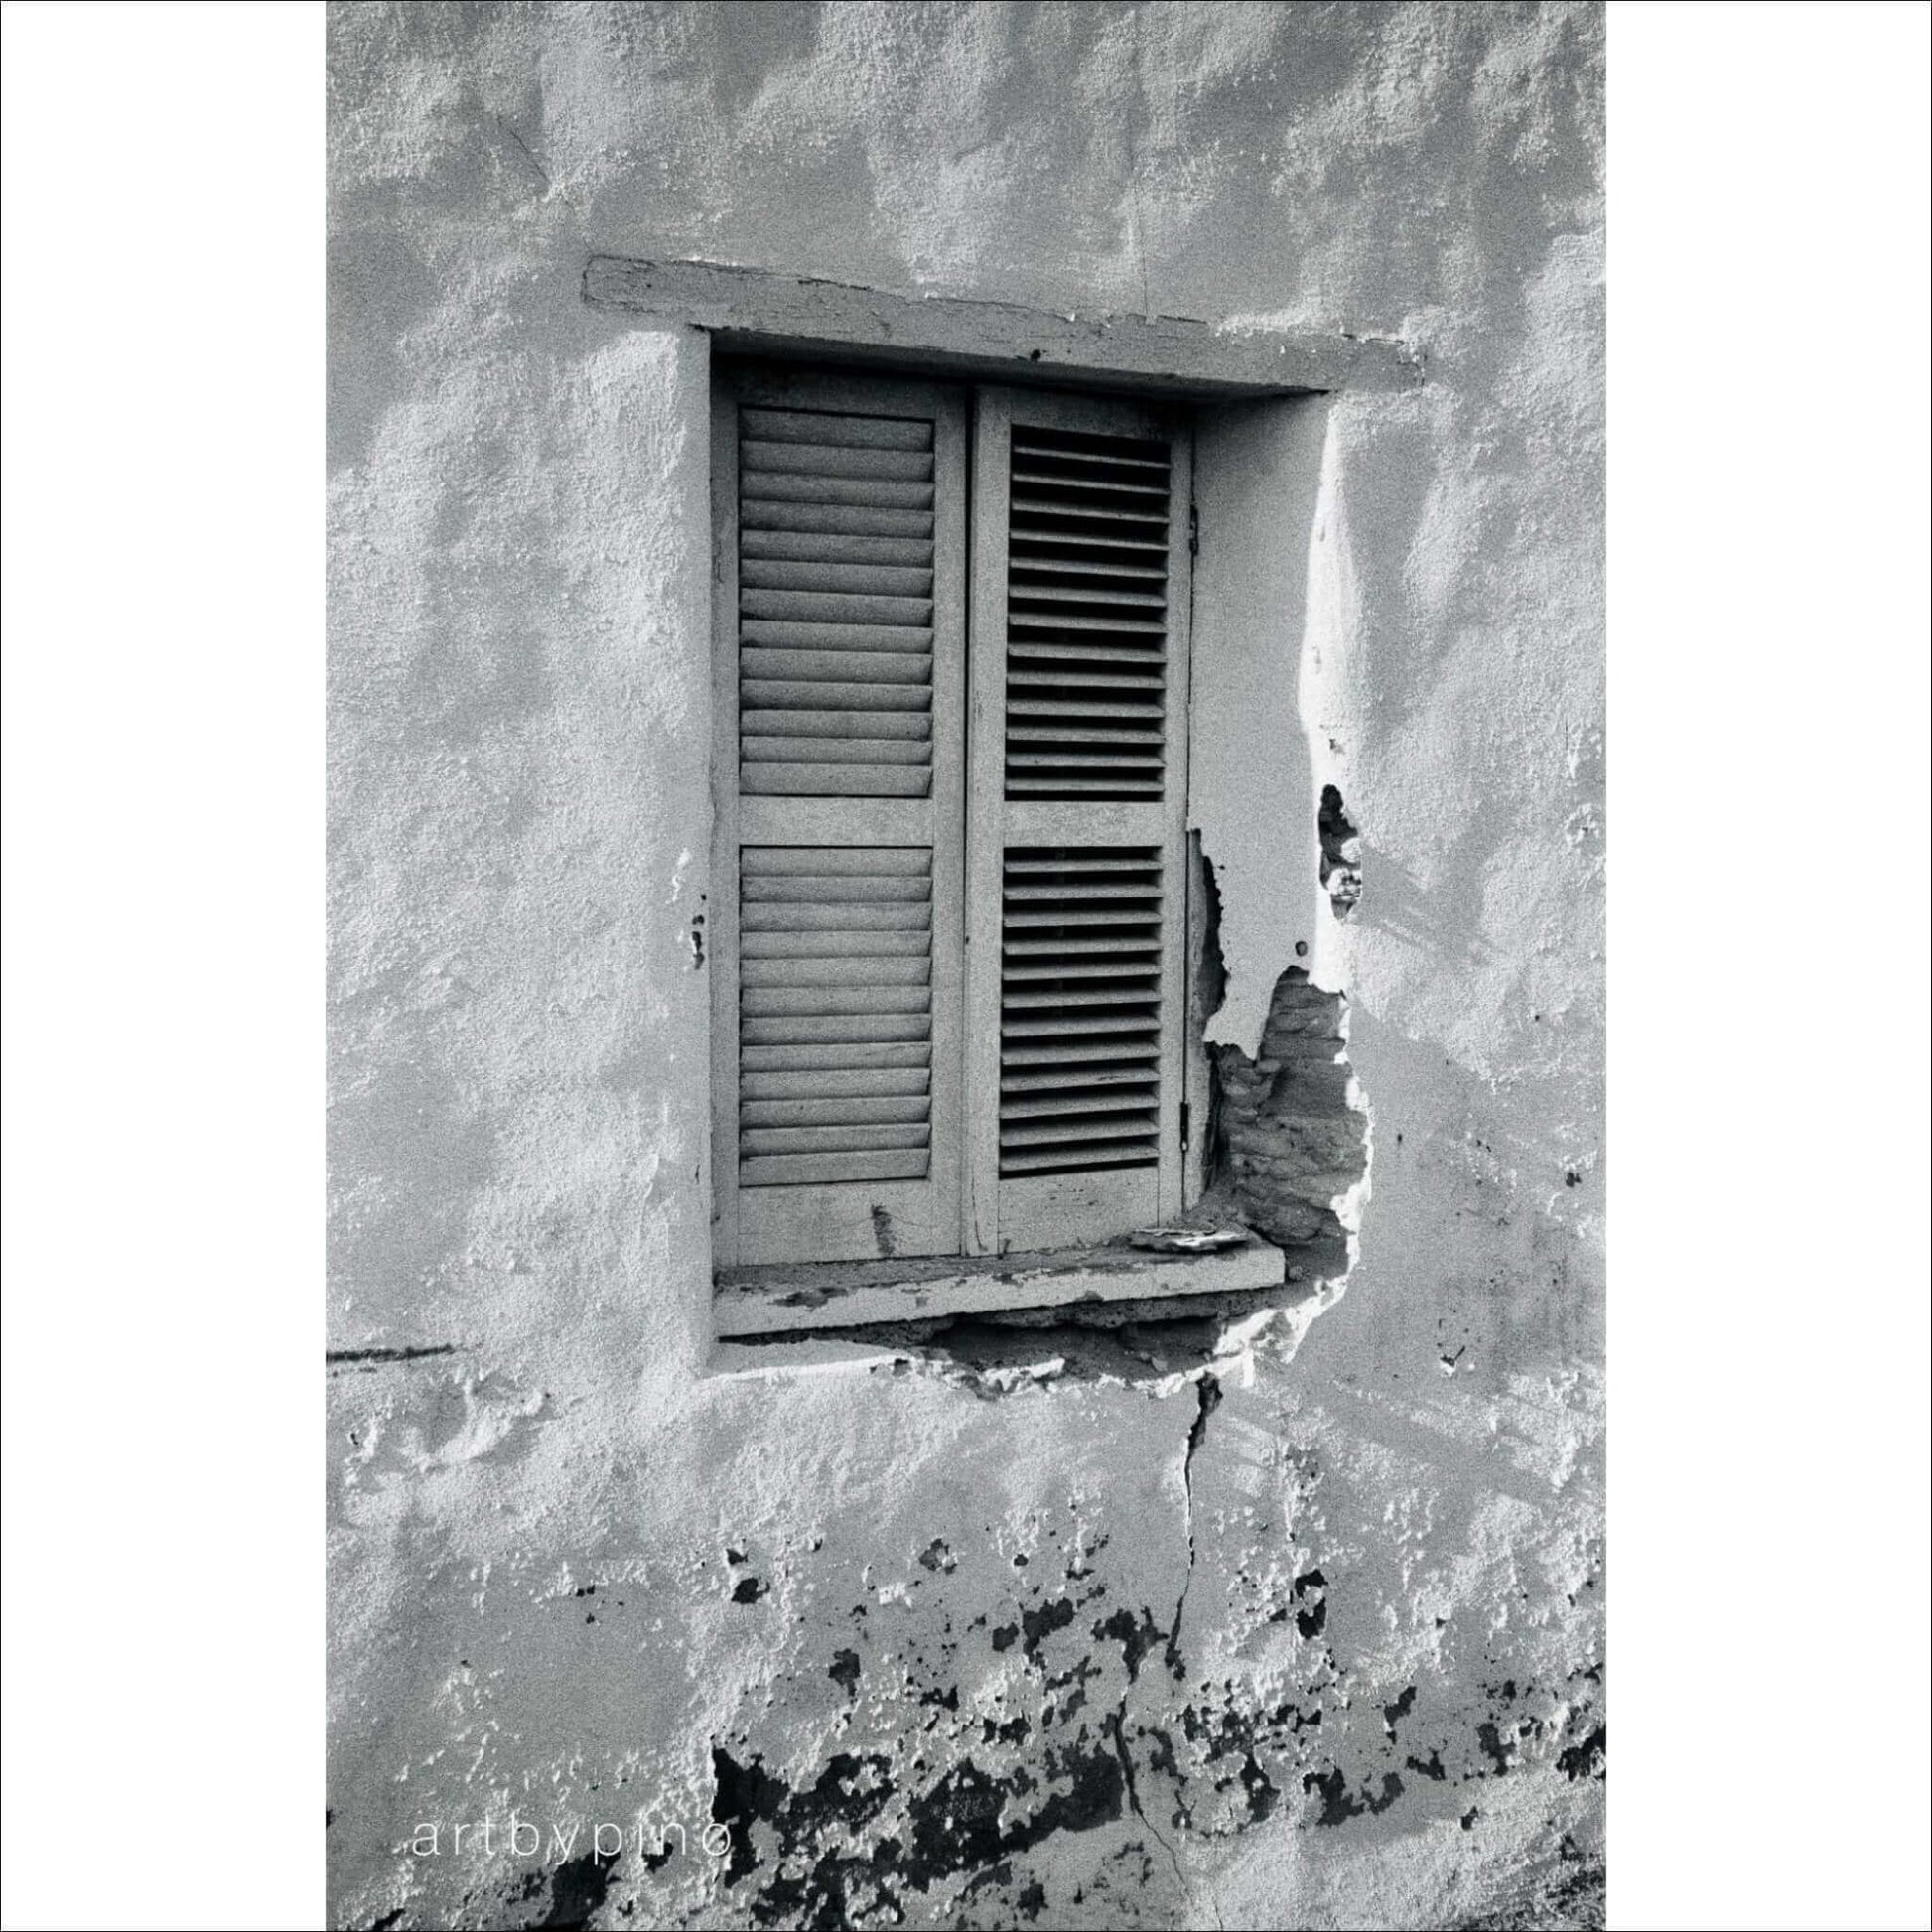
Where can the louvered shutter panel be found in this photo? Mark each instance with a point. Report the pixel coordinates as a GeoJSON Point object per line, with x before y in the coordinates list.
{"type": "Point", "coordinates": [1076, 833]}
{"type": "Point", "coordinates": [840, 512]}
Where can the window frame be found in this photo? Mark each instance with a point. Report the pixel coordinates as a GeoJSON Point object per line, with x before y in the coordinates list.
{"type": "Point", "coordinates": [968, 824]}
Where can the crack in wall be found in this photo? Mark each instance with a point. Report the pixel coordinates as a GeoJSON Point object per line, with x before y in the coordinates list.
{"type": "Point", "coordinates": [1207, 1400]}
{"type": "Point", "coordinates": [1116, 1726]}
{"type": "Point", "coordinates": [1208, 1392]}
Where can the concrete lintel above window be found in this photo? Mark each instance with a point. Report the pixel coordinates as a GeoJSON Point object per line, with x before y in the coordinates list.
{"type": "Point", "coordinates": [757, 312]}
{"type": "Point", "coordinates": [848, 1294]}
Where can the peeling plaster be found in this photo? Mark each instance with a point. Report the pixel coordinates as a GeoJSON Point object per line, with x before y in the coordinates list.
{"type": "Point", "coordinates": [1252, 795]}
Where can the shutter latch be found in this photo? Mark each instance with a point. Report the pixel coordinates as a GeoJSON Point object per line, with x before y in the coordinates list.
{"type": "Point", "coordinates": [1194, 532]}
{"type": "Point", "coordinates": [1183, 1123]}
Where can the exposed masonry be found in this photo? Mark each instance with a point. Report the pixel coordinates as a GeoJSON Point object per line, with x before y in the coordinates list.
{"type": "Point", "coordinates": [1341, 855]}
{"type": "Point", "coordinates": [1289, 1136]}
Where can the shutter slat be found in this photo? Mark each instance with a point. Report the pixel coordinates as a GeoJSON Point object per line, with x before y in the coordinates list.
{"type": "Point", "coordinates": [1071, 756]}
{"type": "Point", "coordinates": [835, 751]}
{"type": "Point", "coordinates": [1113, 683]}
{"type": "Point", "coordinates": [856, 722]}
{"type": "Point", "coordinates": [762, 457]}
{"type": "Point", "coordinates": [843, 780]}
{"type": "Point", "coordinates": [901, 970]}
{"type": "Point", "coordinates": [1016, 923]}
{"type": "Point", "coordinates": [838, 666]}
{"type": "Point", "coordinates": [1058, 998]}
{"type": "Point", "coordinates": [1130, 721]}
{"type": "Point", "coordinates": [1043, 511]}
{"type": "Point", "coordinates": [797, 1169]}
{"type": "Point", "coordinates": [1055, 444]}
{"type": "Point", "coordinates": [836, 429]}
{"type": "Point", "coordinates": [1104, 593]}
{"type": "Point", "coordinates": [869, 1137]}
{"type": "Point", "coordinates": [845, 1056]}
{"type": "Point", "coordinates": [1025, 546]}
{"type": "Point", "coordinates": [1020, 862]}
{"type": "Point", "coordinates": [856, 1030]}
{"type": "Point", "coordinates": [1129, 1028]}
{"type": "Point", "coordinates": [801, 634]}
{"type": "Point", "coordinates": [823, 1083]}
{"type": "Point", "coordinates": [862, 1137]}
{"type": "Point", "coordinates": [1083, 1157]}
{"type": "Point", "coordinates": [1099, 789]}
{"type": "Point", "coordinates": [759, 489]}
{"type": "Point", "coordinates": [759, 916]}
{"type": "Point", "coordinates": [834, 1110]}
{"type": "Point", "coordinates": [1053, 620]}
{"type": "Point", "coordinates": [1079, 735]}
{"type": "Point", "coordinates": [844, 519]}
{"type": "Point", "coordinates": [823, 885]}
{"type": "Point", "coordinates": [842, 862]}
{"type": "Point", "coordinates": [1080, 1134]}
{"type": "Point", "coordinates": [833, 945]}
{"type": "Point", "coordinates": [1020, 970]}
{"type": "Point", "coordinates": [1073, 1080]}
{"type": "Point", "coordinates": [830, 547]}
{"type": "Point", "coordinates": [840, 578]}
{"type": "Point", "coordinates": [1056, 890]}
{"type": "Point", "coordinates": [1138, 1101]}
{"type": "Point", "coordinates": [824, 606]}
{"type": "Point", "coordinates": [812, 1002]}
{"type": "Point", "coordinates": [1106, 569]}
{"type": "Point", "coordinates": [799, 694]}
{"type": "Point", "coordinates": [1073, 1054]}
{"type": "Point", "coordinates": [1077, 475]}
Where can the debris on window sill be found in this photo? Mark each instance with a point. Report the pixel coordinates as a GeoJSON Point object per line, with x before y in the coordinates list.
{"type": "Point", "coordinates": [844, 1295]}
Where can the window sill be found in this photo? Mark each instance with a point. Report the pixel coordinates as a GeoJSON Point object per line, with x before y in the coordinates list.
{"type": "Point", "coordinates": [847, 1294]}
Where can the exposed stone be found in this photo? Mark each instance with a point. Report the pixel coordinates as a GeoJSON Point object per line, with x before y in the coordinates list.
{"type": "Point", "coordinates": [1285, 1141]}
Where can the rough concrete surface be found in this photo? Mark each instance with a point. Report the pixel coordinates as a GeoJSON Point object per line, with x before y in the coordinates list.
{"type": "Point", "coordinates": [1307, 1630]}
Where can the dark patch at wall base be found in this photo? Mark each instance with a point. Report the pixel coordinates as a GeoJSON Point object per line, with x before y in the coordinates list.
{"type": "Point", "coordinates": [1586, 1759]}
{"type": "Point", "coordinates": [951, 1829]}
{"type": "Point", "coordinates": [577, 1889]}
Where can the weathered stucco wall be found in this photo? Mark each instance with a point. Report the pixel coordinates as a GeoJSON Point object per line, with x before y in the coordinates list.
{"type": "Point", "coordinates": [1315, 1639]}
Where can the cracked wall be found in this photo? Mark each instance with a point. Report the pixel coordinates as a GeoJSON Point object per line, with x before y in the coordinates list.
{"type": "Point", "coordinates": [1144, 1627]}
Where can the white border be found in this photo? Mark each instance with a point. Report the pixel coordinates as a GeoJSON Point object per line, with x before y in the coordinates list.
{"type": "Point", "coordinates": [162, 719]}
{"type": "Point", "coordinates": [1767, 278]}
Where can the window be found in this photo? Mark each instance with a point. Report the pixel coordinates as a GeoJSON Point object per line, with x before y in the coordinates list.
{"type": "Point", "coordinates": [949, 917]}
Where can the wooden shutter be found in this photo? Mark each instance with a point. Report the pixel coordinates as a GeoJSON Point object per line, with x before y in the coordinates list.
{"type": "Point", "coordinates": [839, 700]}
{"type": "Point", "coordinates": [1076, 820]}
